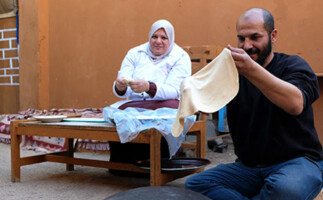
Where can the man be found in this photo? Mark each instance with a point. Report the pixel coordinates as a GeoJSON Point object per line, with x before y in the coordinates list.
{"type": "Point", "coordinates": [270, 120]}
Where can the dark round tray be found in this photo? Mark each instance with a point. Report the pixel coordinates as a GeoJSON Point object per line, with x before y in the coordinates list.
{"type": "Point", "coordinates": [158, 193]}
{"type": "Point", "coordinates": [176, 164]}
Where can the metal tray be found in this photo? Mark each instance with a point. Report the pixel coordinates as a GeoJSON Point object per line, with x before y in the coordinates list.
{"type": "Point", "coordinates": [176, 164]}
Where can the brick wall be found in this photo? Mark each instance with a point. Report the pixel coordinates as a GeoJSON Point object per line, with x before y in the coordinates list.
{"type": "Point", "coordinates": [9, 60]}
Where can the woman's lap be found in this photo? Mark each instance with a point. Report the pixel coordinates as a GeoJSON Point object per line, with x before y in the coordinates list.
{"type": "Point", "coordinates": [132, 152]}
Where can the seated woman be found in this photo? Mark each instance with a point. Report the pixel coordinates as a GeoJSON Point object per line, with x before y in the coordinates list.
{"type": "Point", "coordinates": [150, 76]}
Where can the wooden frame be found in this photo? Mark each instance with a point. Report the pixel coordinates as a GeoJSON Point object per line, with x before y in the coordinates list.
{"type": "Point", "coordinates": [98, 131]}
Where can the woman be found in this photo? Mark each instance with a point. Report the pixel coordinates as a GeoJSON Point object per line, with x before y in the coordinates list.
{"type": "Point", "coordinates": [150, 76]}
{"type": "Point", "coordinates": [154, 70]}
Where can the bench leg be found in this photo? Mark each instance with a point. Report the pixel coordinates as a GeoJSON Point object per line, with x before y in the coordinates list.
{"type": "Point", "coordinates": [70, 152]}
{"type": "Point", "coordinates": [15, 152]}
{"type": "Point", "coordinates": [201, 142]}
{"type": "Point", "coordinates": [155, 158]}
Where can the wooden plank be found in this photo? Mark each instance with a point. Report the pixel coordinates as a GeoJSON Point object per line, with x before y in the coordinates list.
{"type": "Point", "coordinates": [15, 152]}
{"type": "Point", "coordinates": [32, 159]}
{"type": "Point", "coordinates": [70, 125]}
{"type": "Point", "coordinates": [77, 133]}
{"type": "Point", "coordinates": [155, 159]}
{"type": "Point", "coordinates": [94, 163]}
{"type": "Point", "coordinates": [219, 136]}
{"type": "Point", "coordinates": [70, 152]}
{"type": "Point", "coordinates": [201, 142]}
{"type": "Point", "coordinates": [152, 137]}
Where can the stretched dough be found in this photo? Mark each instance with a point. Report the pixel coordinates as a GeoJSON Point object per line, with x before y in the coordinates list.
{"type": "Point", "coordinates": [208, 90]}
{"type": "Point", "coordinates": [128, 80]}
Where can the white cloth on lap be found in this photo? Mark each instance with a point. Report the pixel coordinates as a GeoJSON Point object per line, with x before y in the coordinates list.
{"type": "Point", "coordinates": [131, 121]}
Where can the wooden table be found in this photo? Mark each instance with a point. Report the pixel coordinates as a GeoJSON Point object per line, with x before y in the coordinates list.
{"type": "Point", "coordinates": [94, 131]}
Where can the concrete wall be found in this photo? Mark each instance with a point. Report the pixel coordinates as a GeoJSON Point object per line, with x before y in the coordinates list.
{"type": "Point", "coordinates": [71, 50]}
{"type": "Point", "coordinates": [29, 54]}
{"type": "Point", "coordinates": [76, 46]}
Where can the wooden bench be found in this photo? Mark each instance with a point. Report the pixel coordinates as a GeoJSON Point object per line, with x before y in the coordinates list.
{"type": "Point", "coordinates": [95, 131]}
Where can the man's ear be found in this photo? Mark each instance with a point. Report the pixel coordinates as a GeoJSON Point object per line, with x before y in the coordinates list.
{"type": "Point", "coordinates": [273, 36]}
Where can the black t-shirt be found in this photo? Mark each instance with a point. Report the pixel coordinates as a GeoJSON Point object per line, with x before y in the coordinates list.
{"type": "Point", "coordinates": [264, 134]}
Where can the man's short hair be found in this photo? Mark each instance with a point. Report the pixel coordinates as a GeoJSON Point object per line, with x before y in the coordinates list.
{"type": "Point", "coordinates": [267, 17]}
{"type": "Point", "coordinates": [269, 24]}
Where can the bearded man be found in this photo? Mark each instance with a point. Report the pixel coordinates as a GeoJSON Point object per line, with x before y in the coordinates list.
{"type": "Point", "coordinates": [270, 120]}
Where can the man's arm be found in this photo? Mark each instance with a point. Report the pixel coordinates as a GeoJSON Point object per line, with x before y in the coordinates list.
{"type": "Point", "coordinates": [283, 94]}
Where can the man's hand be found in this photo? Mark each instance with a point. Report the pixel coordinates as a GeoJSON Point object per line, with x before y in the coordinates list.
{"type": "Point", "coordinates": [139, 85]}
{"type": "Point", "coordinates": [242, 60]}
{"type": "Point", "coordinates": [283, 94]}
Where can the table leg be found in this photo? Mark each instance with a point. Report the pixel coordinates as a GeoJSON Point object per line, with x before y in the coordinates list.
{"type": "Point", "coordinates": [201, 142]}
{"type": "Point", "coordinates": [155, 158]}
{"type": "Point", "coordinates": [70, 152]}
{"type": "Point", "coordinates": [15, 152]}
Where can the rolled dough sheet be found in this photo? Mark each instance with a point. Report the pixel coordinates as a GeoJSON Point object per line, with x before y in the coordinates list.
{"type": "Point", "coordinates": [208, 90]}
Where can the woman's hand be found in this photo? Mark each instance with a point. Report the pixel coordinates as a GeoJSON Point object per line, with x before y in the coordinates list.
{"type": "Point", "coordinates": [139, 85]}
{"type": "Point", "coordinates": [121, 84]}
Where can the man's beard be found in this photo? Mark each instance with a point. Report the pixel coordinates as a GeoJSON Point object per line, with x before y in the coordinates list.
{"type": "Point", "coordinates": [262, 55]}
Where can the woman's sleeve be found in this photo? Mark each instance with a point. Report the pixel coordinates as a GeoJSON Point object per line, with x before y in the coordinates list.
{"type": "Point", "coordinates": [126, 70]}
{"type": "Point", "coordinates": [170, 89]}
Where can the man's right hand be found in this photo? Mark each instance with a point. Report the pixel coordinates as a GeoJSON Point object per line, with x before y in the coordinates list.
{"type": "Point", "coordinates": [243, 61]}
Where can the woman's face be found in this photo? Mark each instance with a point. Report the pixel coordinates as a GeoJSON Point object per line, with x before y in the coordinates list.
{"type": "Point", "coordinates": [159, 42]}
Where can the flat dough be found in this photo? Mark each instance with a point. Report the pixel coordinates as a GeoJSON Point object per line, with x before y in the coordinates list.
{"type": "Point", "coordinates": [128, 80]}
{"type": "Point", "coordinates": [208, 90]}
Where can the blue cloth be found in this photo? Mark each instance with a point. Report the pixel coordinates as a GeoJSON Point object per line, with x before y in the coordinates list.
{"type": "Point", "coordinates": [131, 121]}
{"type": "Point", "coordinates": [222, 113]}
{"type": "Point", "coordinates": [298, 178]}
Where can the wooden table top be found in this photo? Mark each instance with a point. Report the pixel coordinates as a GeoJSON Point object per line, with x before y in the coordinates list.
{"type": "Point", "coordinates": [70, 125]}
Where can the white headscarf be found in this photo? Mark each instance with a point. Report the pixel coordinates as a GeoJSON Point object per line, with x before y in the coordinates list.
{"type": "Point", "coordinates": [169, 29]}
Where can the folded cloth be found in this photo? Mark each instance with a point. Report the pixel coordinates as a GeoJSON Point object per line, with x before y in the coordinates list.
{"type": "Point", "coordinates": [208, 90]}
